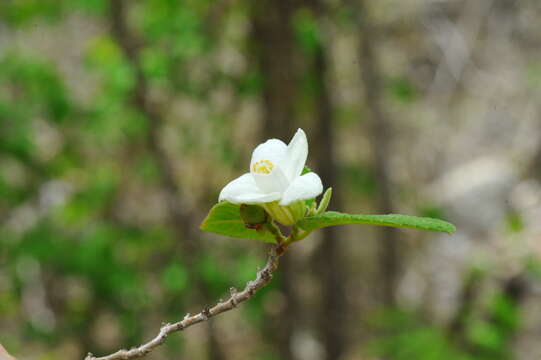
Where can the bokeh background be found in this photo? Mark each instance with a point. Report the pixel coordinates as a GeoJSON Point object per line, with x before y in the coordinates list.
{"type": "Point", "coordinates": [121, 120]}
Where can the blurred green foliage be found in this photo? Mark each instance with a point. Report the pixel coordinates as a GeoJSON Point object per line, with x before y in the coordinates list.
{"type": "Point", "coordinates": [64, 161]}
{"type": "Point", "coordinates": [406, 335]}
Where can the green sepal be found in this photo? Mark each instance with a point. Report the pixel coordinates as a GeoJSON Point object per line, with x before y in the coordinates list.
{"type": "Point", "coordinates": [324, 203]}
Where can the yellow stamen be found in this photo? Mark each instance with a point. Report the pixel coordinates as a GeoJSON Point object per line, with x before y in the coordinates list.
{"type": "Point", "coordinates": [262, 167]}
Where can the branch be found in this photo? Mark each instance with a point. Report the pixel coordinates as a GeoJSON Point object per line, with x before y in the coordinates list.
{"type": "Point", "coordinates": [263, 277]}
{"type": "Point", "coordinates": [4, 355]}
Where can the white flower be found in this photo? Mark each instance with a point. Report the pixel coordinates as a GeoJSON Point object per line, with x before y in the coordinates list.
{"type": "Point", "coordinates": [275, 177]}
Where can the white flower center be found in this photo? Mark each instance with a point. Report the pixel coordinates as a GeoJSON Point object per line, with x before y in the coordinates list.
{"type": "Point", "coordinates": [262, 167]}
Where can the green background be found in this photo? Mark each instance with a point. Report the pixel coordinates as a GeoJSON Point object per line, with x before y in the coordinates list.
{"type": "Point", "coordinates": [120, 122]}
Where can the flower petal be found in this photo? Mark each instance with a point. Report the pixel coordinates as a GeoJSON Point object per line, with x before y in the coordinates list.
{"type": "Point", "coordinates": [304, 187]}
{"type": "Point", "coordinates": [296, 154]}
{"type": "Point", "coordinates": [243, 190]}
{"type": "Point", "coordinates": [272, 150]}
{"type": "Point", "coordinates": [275, 181]}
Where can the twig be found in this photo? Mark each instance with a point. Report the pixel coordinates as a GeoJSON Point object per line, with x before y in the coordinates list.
{"type": "Point", "coordinates": [4, 355]}
{"type": "Point", "coordinates": [263, 277]}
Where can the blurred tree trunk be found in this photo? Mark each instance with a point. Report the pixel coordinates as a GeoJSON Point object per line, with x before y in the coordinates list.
{"type": "Point", "coordinates": [329, 265]}
{"type": "Point", "coordinates": [380, 138]}
{"type": "Point", "coordinates": [468, 297]}
{"type": "Point", "coordinates": [179, 213]}
{"type": "Point", "coordinates": [329, 255]}
{"type": "Point", "coordinates": [274, 43]}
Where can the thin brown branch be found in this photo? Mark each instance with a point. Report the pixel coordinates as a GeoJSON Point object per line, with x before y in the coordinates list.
{"type": "Point", "coordinates": [263, 277]}
{"type": "Point", "coordinates": [4, 355]}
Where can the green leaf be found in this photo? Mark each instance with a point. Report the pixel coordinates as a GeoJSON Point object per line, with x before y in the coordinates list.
{"type": "Point", "coordinates": [332, 218]}
{"type": "Point", "coordinates": [253, 215]}
{"type": "Point", "coordinates": [224, 219]}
